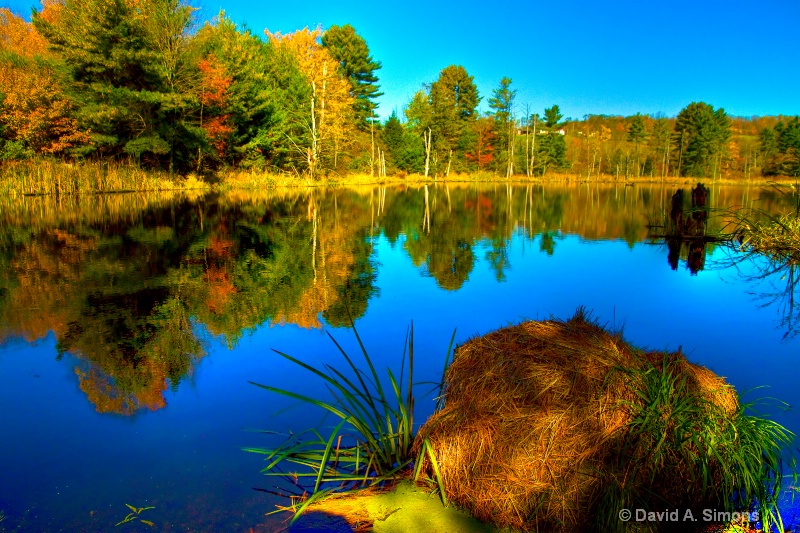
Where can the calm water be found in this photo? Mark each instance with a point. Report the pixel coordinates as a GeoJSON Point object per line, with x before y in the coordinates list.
{"type": "Point", "coordinates": [130, 325]}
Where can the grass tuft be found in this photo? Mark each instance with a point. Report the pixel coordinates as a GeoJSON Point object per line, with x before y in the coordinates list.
{"type": "Point", "coordinates": [733, 459]}
{"type": "Point", "coordinates": [372, 443]}
{"type": "Point", "coordinates": [559, 425]}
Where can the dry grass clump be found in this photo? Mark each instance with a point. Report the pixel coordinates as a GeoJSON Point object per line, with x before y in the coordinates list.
{"type": "Point", "coordinates": [776, 236]}
{"type": "Point", "coordinates": [779, 237]}
{"type": "Point", "coordinates": [557, 425]}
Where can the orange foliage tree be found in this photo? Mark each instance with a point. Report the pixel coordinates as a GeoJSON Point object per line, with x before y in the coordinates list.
{"type": "Point", "coordinates": [214, 85]}
{"type": "Point", "coordinates": [37, 115]}
{"type": "Point", "coordinates": [483, 129]}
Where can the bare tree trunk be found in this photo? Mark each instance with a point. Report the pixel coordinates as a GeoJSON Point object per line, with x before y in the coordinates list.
{"type": "Point", "coordinates": [311, 154]}
{"type": "Point", "coordinates": [600, 166]}
{"type": "Point", "coordinates": [627, 158]}
{"type": "Point", "coordinates": [533, 146]}
{"type": "Point", "coordinates": [527, 142]}
{"type": "Point", "coordinates": [449, 160]}
{"type": "Point", "coordinates": [319, 127]}
{"type": "Point", "coordinates": [428, 138]}
{"type": "Point", "coordinates": [335, 152]}
{"type": "Point", "coordinates": [512, 133]}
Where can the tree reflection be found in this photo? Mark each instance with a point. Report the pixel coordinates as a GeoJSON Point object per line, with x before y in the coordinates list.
{"type": "Point", "coordinates": [131, 292]}
{"type": "Point", "coordinates": [130, 297]}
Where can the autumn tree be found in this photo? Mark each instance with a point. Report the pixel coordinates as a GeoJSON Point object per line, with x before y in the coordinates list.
{"type": "Point", "coordinates": [214, 118]}
{"type": "Point", "coordinates": [484, 140]}
{"type": "Point", "coordinates": [123, 57]}
{"type": "Point", "coordinates": [265, 84]}
{"type": "Point", "coordinates": [36, 113]}
{"type": "Point", "coordinates": [327, 111]}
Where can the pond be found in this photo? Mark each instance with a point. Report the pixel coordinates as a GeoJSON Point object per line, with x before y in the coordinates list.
{"type": "Point", "coordinates": [130, 325]}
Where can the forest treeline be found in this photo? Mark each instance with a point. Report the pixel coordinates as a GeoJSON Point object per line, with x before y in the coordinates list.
{"type": "Point", "coordinates": [143, 82]}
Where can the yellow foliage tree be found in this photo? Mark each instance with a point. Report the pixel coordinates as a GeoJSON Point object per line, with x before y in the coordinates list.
{"type": "Point", "coordinates": [328, 118]}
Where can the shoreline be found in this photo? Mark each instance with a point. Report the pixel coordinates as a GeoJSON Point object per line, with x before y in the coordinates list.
{"type": "Point", "coordinates": [64, 179]}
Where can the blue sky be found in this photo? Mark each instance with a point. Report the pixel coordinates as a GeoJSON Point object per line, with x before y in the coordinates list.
{"type": "Point", "coordinates": [589, 57]}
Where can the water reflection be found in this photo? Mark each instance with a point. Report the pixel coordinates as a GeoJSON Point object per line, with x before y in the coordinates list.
{"type": "Point", "coordinates": [773, 282]}
{"type": "Point", "coordinates": [132, 289]}
{"type": "Point", "coordinates": [685, 231]}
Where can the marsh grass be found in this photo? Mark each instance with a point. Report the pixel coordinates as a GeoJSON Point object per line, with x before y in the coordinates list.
{"type": "Point", "coordinates": [52, 177]}
{"type": "Point", "coordinates": [777, 236]}
{"type": "Point", "coordinates": [41, 176]}
{"type": "Point", "coordinates": [372, 443]}
{"type": "Point", "coordinates": [734, 458]}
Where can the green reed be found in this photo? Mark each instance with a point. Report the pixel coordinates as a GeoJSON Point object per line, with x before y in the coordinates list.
{"type": "Point", "coordinates": [373, 441]}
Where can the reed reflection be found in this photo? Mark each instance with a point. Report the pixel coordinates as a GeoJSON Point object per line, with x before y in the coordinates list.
{"type": "Point", "coordinates": [773, 281]}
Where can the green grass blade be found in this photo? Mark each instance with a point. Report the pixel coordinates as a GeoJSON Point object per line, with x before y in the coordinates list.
{"type": "Point", "coordinates": [302, 398]}
{"type": "Point", "coordinates": [367, 394]}
{"type": "Point", "coordinates": [410, 396]}
{"type": "Point", "coordinates": [420, 460]}
{"type": "Point", "coordinates": [440, 397]}
{"type": "Point", "coordinates": [439, 480]}
{"type": "Point", "coordinates": [311, 499]}
{"type": "Point", "coordinates": [367, 358]}
{"type": "Point", "coordinates": [324, 460]}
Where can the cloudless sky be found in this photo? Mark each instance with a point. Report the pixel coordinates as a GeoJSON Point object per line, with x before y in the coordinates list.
{"type": "Point", "coordinates": [587, 56]}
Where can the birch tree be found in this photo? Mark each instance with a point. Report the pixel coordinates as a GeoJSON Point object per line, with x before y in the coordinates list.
{"type": "Point", "coordinates": [327, 113]}
{"type": "Point", "coordinates": [419, 114]}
